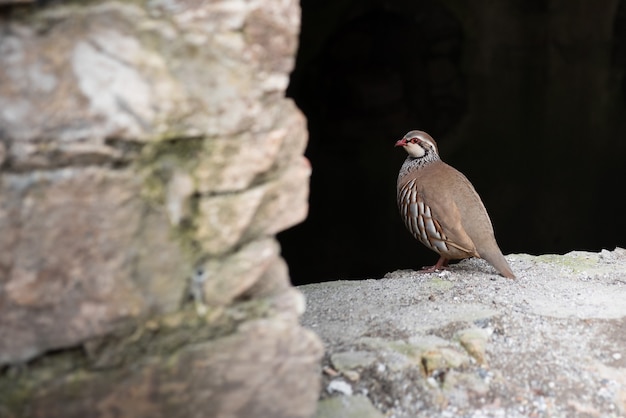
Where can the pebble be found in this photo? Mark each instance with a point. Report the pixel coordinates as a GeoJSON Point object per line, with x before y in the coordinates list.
{"type": "Point", "coordinates": [339, 386]}
{"type": "Point", "coordinates": [330, 371]}
{"type": "Point", "coordinates": [352, 375]}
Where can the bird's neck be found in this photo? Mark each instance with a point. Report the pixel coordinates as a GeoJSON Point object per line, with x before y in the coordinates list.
{"type": "Point", "coordinates": [411, 163]}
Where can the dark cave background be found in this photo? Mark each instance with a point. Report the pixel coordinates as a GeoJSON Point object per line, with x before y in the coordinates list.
{"type": "Point", "coordinates": [526, 97]}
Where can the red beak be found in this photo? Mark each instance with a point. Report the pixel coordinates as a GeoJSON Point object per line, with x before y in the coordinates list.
{"type": "Point", "coordinates": [400, 143]}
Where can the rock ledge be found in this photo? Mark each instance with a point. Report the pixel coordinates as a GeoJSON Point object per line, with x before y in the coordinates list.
{"type": "Point", "coordinates": [466, 342]}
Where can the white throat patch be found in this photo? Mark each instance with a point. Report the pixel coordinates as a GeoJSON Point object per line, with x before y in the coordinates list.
{"type": "Point", "coordinates": [415, 150]}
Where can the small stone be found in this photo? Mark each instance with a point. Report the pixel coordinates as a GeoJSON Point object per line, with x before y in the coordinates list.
{"type": "Point", "coordinates": [432, 360]}
{"type": "Point", "coordinates": [474, 340]}
{"type": "Point", "coordinates": [330, 371]}
{"type": "Point", "coordinates": [616, 356]}
{"type": "Point", "coordinates": [352, 375]}
{"type": "Point", "coordinates": [432, 382]}
{"type": "Point", "coordinates": [339, 386]}
{"type": "Point", "coordinates": [350, 360]}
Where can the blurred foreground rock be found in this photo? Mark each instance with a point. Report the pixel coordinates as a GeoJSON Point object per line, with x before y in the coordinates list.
{"type": "Point", "coordinates": [467, 342]}
{"type": "Point", "coordinates": [148, 157]}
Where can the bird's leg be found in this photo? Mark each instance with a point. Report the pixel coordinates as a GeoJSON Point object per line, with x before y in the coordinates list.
{"type": "Point", "coordinates": [442, 264]}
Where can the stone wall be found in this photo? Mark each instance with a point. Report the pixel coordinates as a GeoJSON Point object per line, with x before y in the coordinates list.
{"type": "Point", "coordinates": [147, 159]}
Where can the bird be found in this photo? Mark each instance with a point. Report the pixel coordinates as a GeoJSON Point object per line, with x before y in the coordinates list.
{"type": "Point", "coordinates": [441, 208]}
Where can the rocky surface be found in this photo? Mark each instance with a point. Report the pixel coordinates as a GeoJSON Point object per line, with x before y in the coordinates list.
{"type": "Point", "coordinates": [175, 367]}
{"type": "Point", "coordinates": [148, 157]}
{"type": "Point", "coordinates": [467, 342]}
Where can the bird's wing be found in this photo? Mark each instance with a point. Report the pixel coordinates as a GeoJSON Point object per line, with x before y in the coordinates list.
{"type": "Point", "coordinates": [446, 214]}
{"type": "Point", "coordinates": [443, 202]}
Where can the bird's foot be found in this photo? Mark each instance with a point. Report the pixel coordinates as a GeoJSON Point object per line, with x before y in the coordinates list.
{"type": "Point", "coordinates": [442, 264]}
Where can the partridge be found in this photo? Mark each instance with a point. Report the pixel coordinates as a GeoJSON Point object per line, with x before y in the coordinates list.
{"type": "Point", "coordinates": [441, 208]}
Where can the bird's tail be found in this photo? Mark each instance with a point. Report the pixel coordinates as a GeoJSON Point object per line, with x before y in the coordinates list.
{"type": "Point", "coordinates": [496, 259]}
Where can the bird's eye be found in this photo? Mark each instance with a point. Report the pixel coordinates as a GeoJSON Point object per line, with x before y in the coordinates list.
{"type": "Point", "coordinates": [413, 140]}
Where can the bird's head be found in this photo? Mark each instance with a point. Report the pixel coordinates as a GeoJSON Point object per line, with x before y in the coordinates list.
{"type": "Point", "coordinates": [419, 144]}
